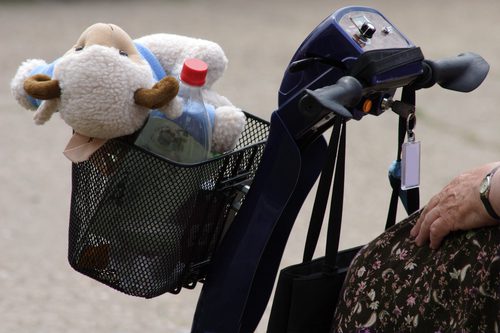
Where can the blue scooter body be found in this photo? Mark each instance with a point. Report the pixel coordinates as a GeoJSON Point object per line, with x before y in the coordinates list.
{"type": "Point", "coordinates": [242, 263]}
{"type": "Point", "coordinates": [243, 271]}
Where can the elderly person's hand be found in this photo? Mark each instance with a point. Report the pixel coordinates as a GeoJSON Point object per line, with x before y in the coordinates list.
{"type": "Point", "coordinates": [458, 207]}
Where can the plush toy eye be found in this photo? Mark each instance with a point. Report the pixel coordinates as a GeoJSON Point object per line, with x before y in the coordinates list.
{"type": "Point", "coordinates": [123, 53]}
{"type": "Point", "coordinates": [78, 48]}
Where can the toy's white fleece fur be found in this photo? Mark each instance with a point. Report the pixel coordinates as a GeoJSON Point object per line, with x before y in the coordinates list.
{"type": "Point", "coordinates": [16, 85]}
{"type": "Point", "coordinates": [111, 80]}
{"type": "Point", "coordinates": [97, 88]}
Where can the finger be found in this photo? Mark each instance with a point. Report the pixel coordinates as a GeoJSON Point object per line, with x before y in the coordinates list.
{"type": "Point", "coordinates": [416, 228]}
{"type": "Point", "coordinates": [430, 206]}
{"type": "Point", "coordinates": [438, 231]}
{"type": "Point", "coordinates": [423, 234]}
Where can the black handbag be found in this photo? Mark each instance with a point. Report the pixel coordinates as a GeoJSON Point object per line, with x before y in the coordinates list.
{"type": "Point", "coordinates": [307, 293]}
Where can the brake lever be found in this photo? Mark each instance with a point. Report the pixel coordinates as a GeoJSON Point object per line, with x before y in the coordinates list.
{"type": "Point", "coordinates": [336, 98]}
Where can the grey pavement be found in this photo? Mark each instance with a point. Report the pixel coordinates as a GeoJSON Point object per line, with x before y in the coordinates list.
{"type": "Point", "coordinates": [40, 293]}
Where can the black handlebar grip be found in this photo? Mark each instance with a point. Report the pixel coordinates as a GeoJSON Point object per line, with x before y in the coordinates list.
{"type": "Point", "coordinates": [463, 73]}
{"type": "Point", "coordinates": [346, 92]}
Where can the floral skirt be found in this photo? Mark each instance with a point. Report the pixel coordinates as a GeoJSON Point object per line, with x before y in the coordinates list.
{"type": "Point", "coordinates": [395, 286]}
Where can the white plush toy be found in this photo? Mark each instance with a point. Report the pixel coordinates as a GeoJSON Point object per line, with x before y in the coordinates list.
{"type": "Point", "coordinates": [106, 84]}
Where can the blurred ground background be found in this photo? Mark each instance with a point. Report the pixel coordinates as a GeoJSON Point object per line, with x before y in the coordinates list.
{"type": "Point", "coordinates": [41, 293]}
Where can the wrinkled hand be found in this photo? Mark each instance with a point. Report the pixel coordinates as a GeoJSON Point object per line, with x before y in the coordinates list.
{"type": "Point", "coordinates": [457, 207]}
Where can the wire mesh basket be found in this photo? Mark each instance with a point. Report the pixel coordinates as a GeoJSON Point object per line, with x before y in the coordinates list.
{"type": "Point", "coordinates": [145, 225]}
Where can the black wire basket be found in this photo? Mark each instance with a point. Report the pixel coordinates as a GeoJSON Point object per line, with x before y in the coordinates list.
{"type": "Point", "coordinates": [145, 225]}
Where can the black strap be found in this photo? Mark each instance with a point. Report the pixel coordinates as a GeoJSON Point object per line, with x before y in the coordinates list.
{"type": "Point", "coordinates": [323, 191]}
{"type": "Point", "coordinates": [336, 161]}
{"type": "Point", "coordinates": [396, 181]}
{"type": "Point", "coordinates": [410, 198]}
{"type": "Point", "coordinates": [334, 168]}
{"type": "Point", "coordinates": [336, 205]}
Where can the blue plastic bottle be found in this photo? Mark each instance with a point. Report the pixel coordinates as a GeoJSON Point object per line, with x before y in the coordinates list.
{"type": "Point", "coordinates": [188, 138]}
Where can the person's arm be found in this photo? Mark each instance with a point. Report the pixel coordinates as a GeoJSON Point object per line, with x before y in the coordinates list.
{"type": "Point", "coordinates": [458, 206]}
{"type": "Point", "coordinates": [495, 192]}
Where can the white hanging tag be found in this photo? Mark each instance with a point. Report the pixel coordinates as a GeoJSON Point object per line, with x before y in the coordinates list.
{"type": "Point", "coordinates": [410, 157]}
{"type": "Point", "coordinates": [410, 165]}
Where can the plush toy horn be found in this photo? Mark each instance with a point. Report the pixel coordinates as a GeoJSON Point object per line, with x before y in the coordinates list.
{"type": "Point", "coordinates": [41, 86]}
{"type": "Point", "coordinates": [159, 95]}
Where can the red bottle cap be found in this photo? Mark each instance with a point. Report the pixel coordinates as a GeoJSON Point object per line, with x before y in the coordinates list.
{"type": "Point", "coordinates": [194, 72]}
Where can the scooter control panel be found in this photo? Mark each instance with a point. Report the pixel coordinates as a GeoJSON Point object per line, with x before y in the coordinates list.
{"type": "Point", "coordinates": [353, 41]}
{"type": "Point", "coordinates": [371, 31]}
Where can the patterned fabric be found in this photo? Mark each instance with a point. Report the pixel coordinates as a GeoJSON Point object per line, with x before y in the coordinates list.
{"type": "Point", "coordinates": [395, 286]}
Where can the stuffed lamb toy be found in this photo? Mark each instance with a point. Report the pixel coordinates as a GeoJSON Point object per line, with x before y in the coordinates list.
{"type": "Point", "coordinates": [106, 84]}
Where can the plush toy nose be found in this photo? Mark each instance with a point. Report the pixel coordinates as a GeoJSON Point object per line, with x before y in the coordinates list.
{"type": "Point", "coordinates": [41, 86]}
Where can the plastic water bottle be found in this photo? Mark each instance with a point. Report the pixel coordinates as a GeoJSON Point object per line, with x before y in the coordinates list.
{"type": "Point", "coordinates": [195, 118]}
{"type": "Point", "coordinates": [186, 139]}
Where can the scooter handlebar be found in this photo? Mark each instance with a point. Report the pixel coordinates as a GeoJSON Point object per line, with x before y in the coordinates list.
{"type": "Point", "coordinates": [462, 73]}
{"type": "Point", "coordinates": [346, 92]}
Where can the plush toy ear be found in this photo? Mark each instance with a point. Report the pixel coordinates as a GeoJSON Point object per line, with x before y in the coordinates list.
{"type": "Point", "coordinates": [41, 86]}
{"type": "Point", "coordinates": [159, 95]}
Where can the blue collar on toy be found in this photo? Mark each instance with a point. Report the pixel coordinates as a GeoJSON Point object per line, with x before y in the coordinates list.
{"type": "Point", "coordinates": [158, 71]}
{"type": "Point", "coordinates": [42, 69]}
